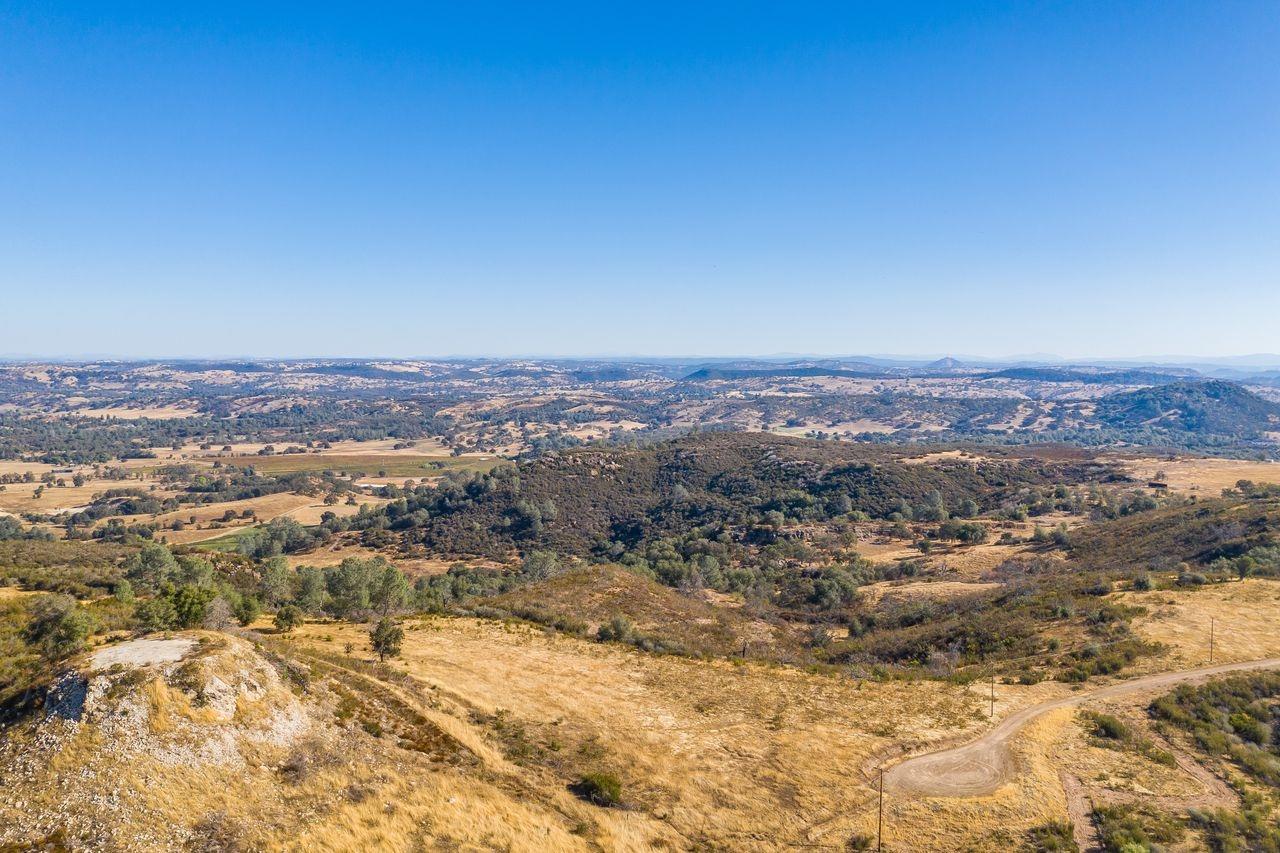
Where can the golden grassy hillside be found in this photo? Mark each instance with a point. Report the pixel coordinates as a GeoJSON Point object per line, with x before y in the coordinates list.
{"type": "Point", "coordinates": [593, 595]}
{"type": "Point", "coordinates": [716, 754]}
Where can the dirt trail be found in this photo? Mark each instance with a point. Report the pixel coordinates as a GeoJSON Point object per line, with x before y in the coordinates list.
{"type": "Point", "coordinates": [981, 766]}
{"type": "Point", "coordinates": [1079, 811]}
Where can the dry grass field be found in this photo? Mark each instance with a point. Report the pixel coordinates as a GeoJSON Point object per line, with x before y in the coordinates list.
{"type": "Point", "coordinates": [727, 756]}
{"type": "Point", "coordinates": [946, 456]}
{"type": "Point", "coordinates": [16, 466]}
{"type": "Point", "coordinates": [18, 498]}
{"type": "Point", "coordinates": [129, 413]}
{"type": "Point", "coordinates": [897, 593]}
{"type": "Point", "coordinates": [1194, 474]}
{"type": "Point", "coordinates": [712, 754]}
{"type": "Point", "coordinates": [411, 566]}
{"type": "Point", "coordinates": [968, 562]}
{"type": "Point", "coordinates": [1245, 617]}
{"type": "Point", "coordinates": [258, 766]}
{"type": "Point", "coordinates": [976, 560]}
{"type": "Point", "coordinates": [998, 821]}
{"type": "Point", "coordinates": [1063, 771]}
{"type": "Point", "coordinates": [856, 427]}
{"type": "Point", "coordinates": [761, 758]}
{"type": "Point", "coordinates": [396, 465]}
{"type": "Point", "coordinates": [302, 508]}
{"type": "Point", "coordinates": [384, 446]}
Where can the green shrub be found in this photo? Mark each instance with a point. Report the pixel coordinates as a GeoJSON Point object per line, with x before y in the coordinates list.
{"type": "Point", "coordinates": [190, 603]}
{"type": "Point", "coordinates": [618, 628]}
{"type": "Point", "coordinates": [288, 618]}
{"type": "Point", "coordinates": [58, 627]}
{"type": "Point", "coordinates": [603, 789]}
{"type": "Point", "coordinates": [156, 614]}
{"type": "Point", "coordinates": [1107, 726]}
{"type": "Point", "coordinates": [1253, 828]}
{"type": "Point", "coordinates": [1056, 836]}
{"type": "Point", "coordinates": [1130, 829]}
{"type": "Point", "coordinates": [1226, 717]}
{"type": "Point", "coordinates": [247, 610]}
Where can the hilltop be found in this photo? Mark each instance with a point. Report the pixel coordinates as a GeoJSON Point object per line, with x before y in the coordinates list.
{"type": "Point", "coordinates": [1209, 408]}
{"type": "Point", "coordinates": [584, 500]}
{"type": "Point", "coordinates": [199, 740]}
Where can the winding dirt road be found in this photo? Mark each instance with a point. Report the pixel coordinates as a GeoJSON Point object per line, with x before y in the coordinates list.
{"type": "Point", "coordinates": [981, 766]}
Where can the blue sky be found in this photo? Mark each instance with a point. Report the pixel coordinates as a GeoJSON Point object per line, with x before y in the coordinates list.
{"type": "Point", "coordinates": [1088, 179]}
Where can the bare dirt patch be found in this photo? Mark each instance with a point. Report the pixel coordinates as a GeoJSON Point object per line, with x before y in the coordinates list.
{"type": "Point", "coordinates": [146, 652]}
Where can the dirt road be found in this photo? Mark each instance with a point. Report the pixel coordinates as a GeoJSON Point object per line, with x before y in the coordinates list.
{"type": "Point", "coordinates": [981, 766]}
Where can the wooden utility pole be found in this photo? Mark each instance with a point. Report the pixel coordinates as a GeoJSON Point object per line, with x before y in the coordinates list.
{"type": "Point", "coordinates": [880, 818]}
{"type": "Point", "coordinates": [1211, 639]}
{"type": "Point", "coordinates": [993, 695]}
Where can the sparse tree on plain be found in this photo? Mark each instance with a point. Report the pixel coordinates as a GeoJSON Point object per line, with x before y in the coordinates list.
{"type": "Point", "coordinates": [386, 638]}
{"type": "Point", "coordinates": [288, 618]}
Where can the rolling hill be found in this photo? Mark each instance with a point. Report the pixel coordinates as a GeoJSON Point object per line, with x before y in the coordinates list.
{"type": "Point", "coordinates": [582, 500]}
{"type": "Point", "coordinates": [1207, 408]}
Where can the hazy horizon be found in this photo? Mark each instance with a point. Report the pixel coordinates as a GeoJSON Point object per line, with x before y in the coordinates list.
{"type": "Point", "coordinates": [1241, 360]}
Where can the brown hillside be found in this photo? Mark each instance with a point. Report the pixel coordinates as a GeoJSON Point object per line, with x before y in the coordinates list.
{"type": "Point", "coordinates": [595, 594]}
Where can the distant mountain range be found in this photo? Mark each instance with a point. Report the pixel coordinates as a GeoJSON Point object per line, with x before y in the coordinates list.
{"type": "Point", "coordinates": [950, 367]}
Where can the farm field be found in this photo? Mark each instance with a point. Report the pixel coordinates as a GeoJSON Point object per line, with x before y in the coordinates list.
{"type": "Point", "coordinates": [368, 464]}
{"type": "Point", "coordinates": [1204, 475]}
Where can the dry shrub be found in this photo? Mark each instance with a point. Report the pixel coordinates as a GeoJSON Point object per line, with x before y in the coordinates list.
{"type": "Point", "coordinates": [216, 833]}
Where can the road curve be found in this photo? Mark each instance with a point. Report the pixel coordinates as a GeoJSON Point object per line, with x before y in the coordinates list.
{"type": "Point", "coordinates": [983, 765]}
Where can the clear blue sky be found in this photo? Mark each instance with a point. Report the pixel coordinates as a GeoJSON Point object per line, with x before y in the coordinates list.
{"type": "Point", "coordinates": [695, 178]}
